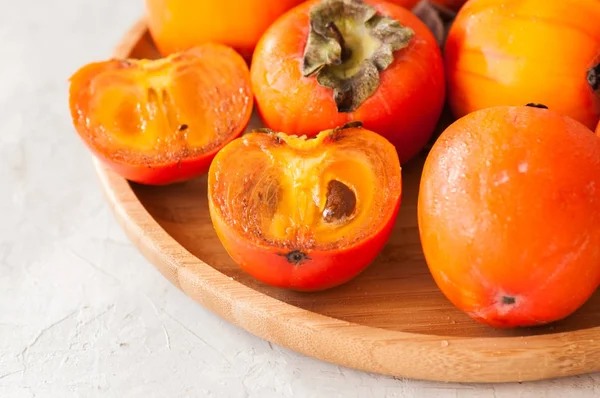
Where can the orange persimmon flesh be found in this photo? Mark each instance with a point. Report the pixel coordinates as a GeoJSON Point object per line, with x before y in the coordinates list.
{"type": "Point", "coordinates": [162, 121]}
{"type": "Point", "coordinates": [305, 214]}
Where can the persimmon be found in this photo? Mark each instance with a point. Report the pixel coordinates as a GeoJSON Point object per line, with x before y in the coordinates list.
{"type": "Point", "coordinates": [598, 129]}
{"type": "Point", "coordinates": [330, 62]}
{"type": "Point", "coordinates": [509, 215]}
{"type": "Point", "coordinates": [408, 4]}
{"type": "Point", "coordinates": [305, 214]}
{"type": "Point", "coordinates": [537, 51]}
{"type": "Point", "coordinates": [177, 25]}
{"type": "Point", "coordinates": [162, 121]}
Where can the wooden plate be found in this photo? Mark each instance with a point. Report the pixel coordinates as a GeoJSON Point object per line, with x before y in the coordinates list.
{"type": "Point", "coordinates": [392, 319]}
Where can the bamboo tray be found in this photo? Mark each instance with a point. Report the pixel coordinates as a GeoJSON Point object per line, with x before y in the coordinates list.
{"type": "Point", "coordinates": [392, 319]}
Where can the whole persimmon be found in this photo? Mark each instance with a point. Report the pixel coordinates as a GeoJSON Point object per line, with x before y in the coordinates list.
{"type": "Point", "coordinates": [509, 215]}
{"type": "Point", "coordinates": [329, 62]}
{"type": "Point", "coordinates": [162, 121]}
{"type": "Point", "coordinates": [305, 214]}
{"type": "Point", "coordinates": [512, 52]}
{"type": "Point", "coordinates": [177, 25]}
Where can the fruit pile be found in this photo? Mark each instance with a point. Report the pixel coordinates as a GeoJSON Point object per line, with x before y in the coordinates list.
{"type": "Point", "coordinates": [349, 91]}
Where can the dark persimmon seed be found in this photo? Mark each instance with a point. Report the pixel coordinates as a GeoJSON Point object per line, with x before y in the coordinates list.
{"type": "Point", "coordinates": [341, 202]}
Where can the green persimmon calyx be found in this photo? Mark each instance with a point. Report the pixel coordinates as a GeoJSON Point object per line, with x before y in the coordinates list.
{"type": "Point", "coordinates": [348, 45]}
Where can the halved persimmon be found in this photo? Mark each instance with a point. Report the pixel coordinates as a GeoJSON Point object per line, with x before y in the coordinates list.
{"type": "Point", "coordinates": [305, 214]}
{"type": "Point", "coordinates": [162, 121]}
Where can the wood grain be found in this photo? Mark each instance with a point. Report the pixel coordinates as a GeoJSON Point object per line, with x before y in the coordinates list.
{"type": "Point", "coordinates": [392, 319]}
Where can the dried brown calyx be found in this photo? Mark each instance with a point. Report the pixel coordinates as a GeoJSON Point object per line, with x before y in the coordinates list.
{"type": "Point", "coordinates": [534, 105]}
{"type": "Point", "coordinates": [349, 44]}
{"type": "Point", "coordinates": [593, 78]}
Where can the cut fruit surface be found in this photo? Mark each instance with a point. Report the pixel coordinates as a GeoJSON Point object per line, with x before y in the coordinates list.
{"type": "Point", "coordinates": [142, 116]}
{"type": "Point", "coordinates": [320, 197]}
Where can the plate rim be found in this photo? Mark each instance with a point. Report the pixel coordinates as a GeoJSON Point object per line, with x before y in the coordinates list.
{"type": "Point", "coordinates": [383, 351]}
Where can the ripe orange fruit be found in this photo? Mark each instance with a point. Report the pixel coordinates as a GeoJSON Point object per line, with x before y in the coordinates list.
{"type": "Point", "coordinates": [178, 25]}
{"type": "Point", "coordinates": [162, 121]}
{"type": "Point", "coordinates": [509, 215]}
{"type": "Point", "coordinates": [382, 67]}
{"type": "Point", "coordinates": [305, 214]}
{"type": "Point", "coordinates": [513, 52]}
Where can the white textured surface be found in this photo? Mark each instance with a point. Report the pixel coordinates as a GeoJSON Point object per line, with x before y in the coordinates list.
{"type": "Point", "coordinates": [82, 314]}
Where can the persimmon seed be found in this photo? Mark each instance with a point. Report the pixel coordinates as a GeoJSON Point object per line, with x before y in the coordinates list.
{"type": "Point", "coordinates": [508, 300]}
{"type": "Point", "coordinates": [341, 202]}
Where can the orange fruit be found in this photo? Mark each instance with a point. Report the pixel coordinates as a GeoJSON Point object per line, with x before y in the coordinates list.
{"type": "Point", "coordinates": [509, 215]}
{"type": "Point", "coordinates": [178, 25]}
{"type": "Point", "coordinates": [512, 52]}
{"type": "Point", "coordinates": [162, 121]}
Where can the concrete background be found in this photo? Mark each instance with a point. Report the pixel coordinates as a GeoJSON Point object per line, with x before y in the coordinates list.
{"type": "Point", "coordinates": [82, 313]}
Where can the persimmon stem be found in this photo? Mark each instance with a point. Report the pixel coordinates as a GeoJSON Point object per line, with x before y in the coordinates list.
{"type": "Point", "coordinates": [593, 77]}
{"type": "Point", "coordinates": [296, 257]}
{"type": "Point", "coordinates": [351, 65]}
{"type": "Point", "coordinates": [534, 105]}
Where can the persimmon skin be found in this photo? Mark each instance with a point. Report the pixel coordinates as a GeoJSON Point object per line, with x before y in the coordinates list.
{"type": "Point", "coordinates": [408, 4]}
{"type": "Point", "coordinates": [316, 269]}
{"type": "Point", "coordinates": [542, 56]}
{"type": "Point", "coordinates": [166, 174]}
{"type": "Point", "coordinates": [404, 109]}
{"type": "Point", "coordinates": [146, 167]}
{"type": "Point", "coordinates": [177, 25]}
{"type": "Point", "coordinates": [322, 270]}
{"type": "Point", "coordinates": [509, 215]}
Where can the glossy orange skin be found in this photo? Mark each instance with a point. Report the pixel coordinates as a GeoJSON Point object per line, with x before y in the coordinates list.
{"type": "Point", "coordinates": [542, 56]}
{"type": "Point", "coordinates": [323, 268]}
{"type": "Point", "coordinates": [178, 25]}
{"type": "Point", "coordinates": [409, 4]}
{"type": "Point", "coordinates": [203, 68]}
{"type": "Point", "coordinates": [404, 109]}
{"type": "Point", "coordinates": [510, 206]}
